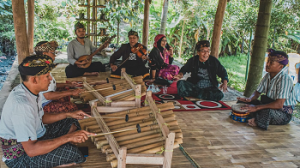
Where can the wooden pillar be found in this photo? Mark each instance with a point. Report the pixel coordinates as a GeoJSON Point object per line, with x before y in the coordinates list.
{"type": "Point", "coordinates": [164, 17]}
{"type": "Point", "coordinates": [259, 46]}
{"type": "Point", "coordinates": [20, 29]}
{"type": "Point", "coordinates": [30, 25]}
{"type": "Point", "coordinates": [217, 28]}
{"type": "Point", "coordinates": [146, 22]}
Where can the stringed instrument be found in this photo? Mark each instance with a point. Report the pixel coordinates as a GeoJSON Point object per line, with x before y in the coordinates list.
{"type": "Point", "coordinates": [139, 50]}
{"type": "Point", "coordinates": [88, 58]}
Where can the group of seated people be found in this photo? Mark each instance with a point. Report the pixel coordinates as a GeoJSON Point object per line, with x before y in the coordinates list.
{"type": "Point", "coordinates": [39, 125]}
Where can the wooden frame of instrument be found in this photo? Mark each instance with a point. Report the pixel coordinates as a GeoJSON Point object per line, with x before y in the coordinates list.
{"type": "Point", "coordinates": [109, 106]}
{"type": "Point", "coordinates": [142, 159]}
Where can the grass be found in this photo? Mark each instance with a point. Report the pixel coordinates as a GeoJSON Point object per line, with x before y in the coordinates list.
{"type": "Point", "coordinates": [236, 70]}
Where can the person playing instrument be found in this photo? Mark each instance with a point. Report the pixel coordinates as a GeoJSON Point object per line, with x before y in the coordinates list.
{"type": "Point", "coordinates": [161, 59]}
{"type": "Point", "coordinates": [54, 101]}
{"type": "Point", "coordinates": [204, 69]}
{"type": "Point", "coordinates": [134, 65]}
{"type": "Point", "coordinates": [30, 137]}
{"type": "Point", "coordinates": [276, 106]}
{"type": "Point", "coordinates": [81, 47]}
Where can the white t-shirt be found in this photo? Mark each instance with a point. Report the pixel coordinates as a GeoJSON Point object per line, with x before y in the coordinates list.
{"type": "Point", "coordinates": [22, 114]}
{"type": "Point", "coordinates": [51, 88]}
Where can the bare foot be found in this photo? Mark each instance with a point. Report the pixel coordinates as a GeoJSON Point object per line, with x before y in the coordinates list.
{"type": "Point", "coordinates": [91, 74]}
{"type": "Point", "coordinates": [67, 165]}
{"type": "Point", "coordinates": [251, 122]}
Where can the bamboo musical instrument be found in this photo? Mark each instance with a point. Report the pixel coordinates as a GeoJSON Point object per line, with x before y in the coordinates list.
{"type": "Point", "coordinates": [159, 128]}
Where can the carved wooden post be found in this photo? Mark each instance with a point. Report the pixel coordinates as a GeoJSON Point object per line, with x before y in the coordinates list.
{"type": "Point", "coordinates": [20, 29]}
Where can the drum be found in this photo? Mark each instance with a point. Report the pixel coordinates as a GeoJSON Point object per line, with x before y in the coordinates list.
{"type": "Point", "coordinates": [239, 115]}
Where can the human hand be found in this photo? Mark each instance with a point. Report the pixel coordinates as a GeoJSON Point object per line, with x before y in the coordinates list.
{"type": "Point", "coordinates": [223, 86]}
{"type": "Point", "coordinates": [179, 76]}
{"type": "Point", "coordinates": [113, 67]}
{"type": "Point", "coordinates": [75, 84]}
{"type": "Point", "coordinates": [144, 57]}
{"type": "Point", "coordinates": [78, 136]}
{"type": "Point", "coordinates": [171, 51]}
{"type": "Point", "coordinates": [244, 99]}
{"type": "Point", "coordinates": [76, 92]}
{"type": "Point", "coordinates": [79, 115]}
{"type": "Point", "coordinates": [250, 108]}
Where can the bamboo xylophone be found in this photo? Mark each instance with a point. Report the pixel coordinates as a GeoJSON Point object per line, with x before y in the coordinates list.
{"type": "Point", "coordinates": [160, 133]}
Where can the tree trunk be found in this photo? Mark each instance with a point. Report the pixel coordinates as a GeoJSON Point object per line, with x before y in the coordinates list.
{"type": "Point", "coordinates": [30, 24]}
{"type": "Point", "coordinates": [146, 22]}
{"type": "Point", "coordinates": [217, 28]}
{"type": "Point", "coordinates": [20, 29]}
{"type": "Point", "coordinates": [259, 47]}
{"type": "Point", "coordinates": [118, 33]}
{"type": "Point", "coordinates": [181, 38]}
{"type": "Point", "coordinates": [164, 17]}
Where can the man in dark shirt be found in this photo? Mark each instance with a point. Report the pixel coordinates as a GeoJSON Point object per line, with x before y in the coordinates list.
{"type": "Point", "coordinates": [204, 69]}
{"type": "Point", "coordinates": [134, 65]}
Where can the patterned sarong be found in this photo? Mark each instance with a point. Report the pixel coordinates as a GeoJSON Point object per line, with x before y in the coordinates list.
{"type": "Point", "coordinates": [64, 154]}
{"type": "Point", "coordinates": [169, 72]}
{"type": "Point", "coordinates": [60, 106]}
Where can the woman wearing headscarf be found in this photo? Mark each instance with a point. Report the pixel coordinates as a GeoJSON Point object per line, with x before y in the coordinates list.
{"type": "Point", "coordinates": [161, 59]}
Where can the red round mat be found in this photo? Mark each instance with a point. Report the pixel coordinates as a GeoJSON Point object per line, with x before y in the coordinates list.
{"type": "Point", "coordinates": [211, 104]}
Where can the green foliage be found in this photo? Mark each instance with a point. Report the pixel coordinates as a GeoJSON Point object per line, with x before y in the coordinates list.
{"type": "Point", "coordinates": [236, 69]}
{"type": "Point", "coordinates": [7, 35]}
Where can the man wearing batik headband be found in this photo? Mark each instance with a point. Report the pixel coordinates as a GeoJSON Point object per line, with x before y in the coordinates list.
{"type": "Point", "coordinates": [78, 47]}
{"type": "Point", "coordinates": [276, 106]}
{"type": "Point", "coordinates": [134, 65]}
{"type": "Point", "coordinates": [30, 137]}
{"type": "Point", "coordinates": [54, 101]}
{"type": "Point", "coordinates": [204, 70]}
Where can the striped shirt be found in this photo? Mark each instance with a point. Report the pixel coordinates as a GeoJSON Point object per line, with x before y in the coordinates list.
{"type": "Point", "coordinates": [280, 87]}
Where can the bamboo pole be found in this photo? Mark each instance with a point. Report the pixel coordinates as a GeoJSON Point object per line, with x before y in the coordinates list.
{"type": "Point", "coordinates": [20, 29]}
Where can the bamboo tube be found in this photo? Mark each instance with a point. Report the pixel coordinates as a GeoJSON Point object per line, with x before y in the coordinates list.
{"type": "Point", "coordinates": [172, 124]}
{"type": "Point", "coordinates": [137, 118]}
{"type": "Point", "coordinates": [93, 125]}
{"type": "Point", "coordinates": [162, 107]}
{"type": "Point", "coordinates": [142, 124]}
{"type": "Point", "coordinates": [136, 137]}
{"type": "Point", "coordinates": [158, 149]}
{"type": "Point", "coordinates": [114, 163]}
{"type": "Point", "coordinates": [147, 147]}
{"type": "Point", "coordinates": [130, 145]}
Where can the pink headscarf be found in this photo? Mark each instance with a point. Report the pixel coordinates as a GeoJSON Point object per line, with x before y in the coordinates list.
{"type": "Point", "coordinates": [157, 38]}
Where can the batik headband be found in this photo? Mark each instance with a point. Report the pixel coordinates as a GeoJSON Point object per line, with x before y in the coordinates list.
{"type": "Point", "coordinates": [36, 65]}
{"type": "Point", "coordinates": [47, 46]}
{"type": "Point", "coordinates": [131, 32]}
{"type": "Point", "coordinates": [79, 25]}
{"type": "Point", "coordinates": [278, 56]}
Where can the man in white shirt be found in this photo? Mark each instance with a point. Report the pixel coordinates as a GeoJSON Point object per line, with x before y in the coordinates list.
{"type": "Point", "coordinates": [31, 138]}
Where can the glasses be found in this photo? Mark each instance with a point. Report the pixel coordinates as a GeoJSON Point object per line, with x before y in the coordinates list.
{"type": "Point", "coordinates": [163, 40]}
{"type": "Point", "coordinates": [205, 51]}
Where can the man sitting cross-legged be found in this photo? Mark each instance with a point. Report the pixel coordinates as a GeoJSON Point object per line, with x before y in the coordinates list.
{"type": "Point", "coordinates": [276, 107]}
{"type": "Point", "coordinates": [204, 69]}
{"type": "Point", "coordinates": [31, 138]}
{"type": "Point", "coordinates": [54, 101]}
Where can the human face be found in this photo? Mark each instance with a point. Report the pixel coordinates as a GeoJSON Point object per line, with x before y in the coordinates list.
{"type": "Point", "coordinates": [133, 40]}
{"type": "Point", "coordinates": [203, 54]}
{"type": "Point", "coordinates": [50, 54]}
{"type": "Point", "coordinates": [273, 66]}
{"type": "Point", "coordinates": [163, 42]}
{"type": "Point", "coordinates": [43, 82]}
{"type": "Point", "coordinates": [80, 33]}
